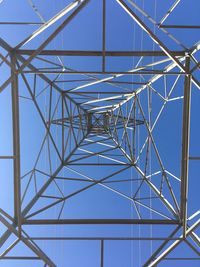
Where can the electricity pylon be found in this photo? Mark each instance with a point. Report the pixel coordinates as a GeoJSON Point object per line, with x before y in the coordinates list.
{"type": "Point", "coordinates": [103, 131]}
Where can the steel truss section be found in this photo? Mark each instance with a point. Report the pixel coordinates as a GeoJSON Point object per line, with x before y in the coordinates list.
{"type": "Point", "coordinates": [99, 132]}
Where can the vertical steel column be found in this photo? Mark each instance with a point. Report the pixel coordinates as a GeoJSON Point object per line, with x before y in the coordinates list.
{"type": "Point", "coordinates": [104, 36]}
{"type": "Point", "coordinates": [16, 143]}
{"type": "Point", "coordinates": [102, 253]}
{"type": "Point", "coordinates": [185, 146]}
{"type": "Point", "coordinates": [105, 121]}
{"type": "Point", "coordinates": [63, 128]}
{"type": "Point", "coordinates": [89, 122]}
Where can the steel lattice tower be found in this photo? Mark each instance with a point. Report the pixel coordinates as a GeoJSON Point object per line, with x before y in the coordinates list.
{"type": "Point", "coordinates": [85, 138]}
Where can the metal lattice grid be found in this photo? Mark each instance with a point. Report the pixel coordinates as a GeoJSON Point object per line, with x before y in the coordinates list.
{"type": "Point", "coordinates": [101, 144]}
